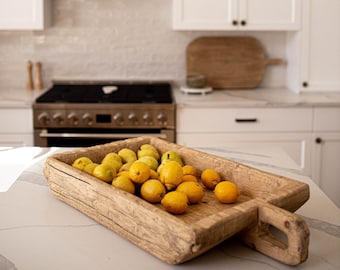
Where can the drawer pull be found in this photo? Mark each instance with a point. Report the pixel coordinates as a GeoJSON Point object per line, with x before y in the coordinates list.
{"type": "Point", "coordinates": [246, 120]}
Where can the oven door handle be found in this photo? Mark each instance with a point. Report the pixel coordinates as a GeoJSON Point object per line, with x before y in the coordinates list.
{"type": "Point", "coordinates": [45, 134]}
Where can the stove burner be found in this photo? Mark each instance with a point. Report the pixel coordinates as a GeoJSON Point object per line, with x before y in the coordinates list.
{"type": "Point", "coordinates": [122, 93]}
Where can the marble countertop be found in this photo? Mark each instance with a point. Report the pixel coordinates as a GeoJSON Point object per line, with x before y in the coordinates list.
{"type": "Point", "coordinates": [260, 97]}
{"type": "Point", "coordinates": [37, 231]}
{"type": "Point", "coordinates": [18, 98]}
{"type": "Point", "coordinates": [263, 97]}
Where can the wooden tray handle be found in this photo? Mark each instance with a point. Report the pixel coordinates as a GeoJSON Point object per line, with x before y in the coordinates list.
{"type": "Point", "coordinates": [293, 250]}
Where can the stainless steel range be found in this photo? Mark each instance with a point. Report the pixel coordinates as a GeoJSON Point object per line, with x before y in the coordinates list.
{"type": "Point", "coordinates": [89, 113]}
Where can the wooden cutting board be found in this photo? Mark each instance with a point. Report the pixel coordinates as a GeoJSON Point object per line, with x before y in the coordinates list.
{"type": "Point", "coordinates": [228, 62]}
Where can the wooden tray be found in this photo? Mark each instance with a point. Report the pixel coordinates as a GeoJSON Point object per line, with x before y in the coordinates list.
{"type": "Point", "coordinates": [228, 62]}
{"type": "Point", "coordinates": [266, 200]}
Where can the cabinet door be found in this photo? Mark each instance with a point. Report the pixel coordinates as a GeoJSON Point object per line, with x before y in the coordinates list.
{"type": "Point", "coordinates": [16, 140]}
{"type": "Point", "coordinates": [270, 14]}
{"type": "Point", "coordinates": [320, 46]}
{"type": "Point", "coordinates": [204, 14]}
{"type": "Point", "coordinates": [24, 14]}
{"type": "Point", "coordinates": [296, 145]}
{"type": "Point", "coordinates": [326, 164]}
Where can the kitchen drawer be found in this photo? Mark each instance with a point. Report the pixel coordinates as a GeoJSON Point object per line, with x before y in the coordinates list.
{"type": "Point", "coordinates": [327, 119]}
{"type": "Point", "coordinates": [244, 119]}
{"type": "Point", "coordinates": [16, 120]}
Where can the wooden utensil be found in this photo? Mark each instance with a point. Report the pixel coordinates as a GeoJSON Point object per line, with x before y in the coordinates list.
{"type": "Point", "coordinates": [29, 79]}
{"type": "Point", "coordinates": [38, 80]}
{"type": "Point", "coordinates": [228, 62]}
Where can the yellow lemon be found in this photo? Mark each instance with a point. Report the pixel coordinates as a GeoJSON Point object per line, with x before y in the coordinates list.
{"type": "Point", "coordinates": [81, 162]}
{"type": "Point", "coordinates": [189, 170]}
{"type": "Point", "coordinates": [210, 178]}
{"type": "Point", "coordinates": [104, 172]}
{"type": "Point", "coordinates": [150, 161]}
{"type": "Point", "coordinates": [152, 191]}
{"type": "Point", "coordinates": [116, 164]}
{"type": "Point", "coordinates": [112, 156]}
{"type": "Point", "coordinates": [175, 202]}
{"type": "Point", "coordinates": [127, 155]}
{"type": "Point", "coordinates": [226, 192]}
{"type": "Point", "coordinates": [194, 191]}
{"type": "Point", "coordinates": [124, 182]}
{"type": "Point", "coordinates": [189, 178]}
{"type": "Point", "coordinates": [171, 174]}
{"type": "Point", "coordinates": [139, 172]}
{"type": "Point", "coordinates": [125, 166]}
{"type": "Point", "coordinates": [90, 167]}
{"type": "Point", "coordinates": [154, 174]}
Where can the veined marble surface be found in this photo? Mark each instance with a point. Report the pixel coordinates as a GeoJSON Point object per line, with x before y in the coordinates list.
{"type": "Point", "coordinates": [257, 97]}
{"type": "Point", "coordinates": [37, 231]}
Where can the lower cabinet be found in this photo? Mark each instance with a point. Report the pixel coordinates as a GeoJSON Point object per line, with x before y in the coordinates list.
{"type": "Point", "coordinates": [326, 151]}
{"type": "Point", "coordinates": [16, 127]}
{"type": "Point", "coordinates": [297, 145]}
{"type": "Point", "coordinates": [311, 136]}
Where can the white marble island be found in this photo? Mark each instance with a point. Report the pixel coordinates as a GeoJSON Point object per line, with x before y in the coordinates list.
{"type": "Point", "coordinates": [37, 231]}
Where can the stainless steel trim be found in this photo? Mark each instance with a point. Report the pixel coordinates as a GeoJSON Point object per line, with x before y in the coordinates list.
{"type": "Point", "coordinates": [45, 134]}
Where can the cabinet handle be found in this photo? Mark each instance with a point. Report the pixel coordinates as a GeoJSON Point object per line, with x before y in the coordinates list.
{"type": "Point", "coordinates": [305, 84]}
{"type": "Point", "coordinates": [318, 140]}
{"type": "Point", "coordinates": [234, 22]}
{"type": "Point", "coordinates": [243, 22]}
{"type": "Point", "coordinates": [246, 120]}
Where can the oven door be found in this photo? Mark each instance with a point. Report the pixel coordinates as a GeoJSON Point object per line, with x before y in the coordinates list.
{"type": "Point", "coordinates": [90, 137]}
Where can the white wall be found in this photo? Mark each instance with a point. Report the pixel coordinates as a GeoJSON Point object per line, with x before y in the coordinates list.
{"type": "Point", "coordinates": [113, 39]}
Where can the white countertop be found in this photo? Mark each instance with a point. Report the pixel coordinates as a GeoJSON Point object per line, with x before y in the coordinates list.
{"type": "Point", "coordinates": [262, 97]}
{"type": "Point", "coordinates": [18, 98]}
{"type": "Point", "coordinates": [37, 231]}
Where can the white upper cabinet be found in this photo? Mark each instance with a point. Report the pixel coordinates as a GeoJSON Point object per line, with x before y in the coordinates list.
{"type": "Point", "coordinates": [24, 14]}
{"type": "Point", "coordinates": [236, 14]}
{"type": "Point", "coordinates": [320, 48]}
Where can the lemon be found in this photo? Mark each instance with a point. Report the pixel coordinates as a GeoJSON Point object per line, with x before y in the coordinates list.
{"type": "Point", "coordinates": [210, 178]}
{"type": "Point", "coordinates": [189, 178]}
{"type": "Point", "coordinates": [171, 174]}
{"type": "Point", "coordinates": [139, 172]}
{"type": "Point", "coordinates": [104, 172]}
{"type": "Point", "coordinates": [125, 166]}
{"type": "Point", "coordinates": [81, 162]}
{"type": "Point", "coordinates": [194, 191]}
{"type": "Point", "coordinates": [175, 202]}
{"type": "Point", "coordinates": [152, 191]}
{"type": "Point", "coordinates": [154, 174]}
{"type": "Point", "coordinates": [123, 182]}
{"type": "Point", "coordinates": [90, 167]}
{"type": "Point", "coordinates": [189, 170]}
{"type": "Point", "coordinates": [226, 192]}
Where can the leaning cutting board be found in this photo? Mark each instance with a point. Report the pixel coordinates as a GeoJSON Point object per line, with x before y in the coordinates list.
{"type": "Point", "coordinates": [228, 62]}
{"type": "Point", "coordinates": [266, 201]}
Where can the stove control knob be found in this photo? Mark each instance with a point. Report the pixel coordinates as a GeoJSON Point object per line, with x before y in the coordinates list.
{"type": "Point", "coordinates": [87, 118]}
{"type": "Point", "coordinates": [44, 119]}
{"type": "Point", "coordinates": [132, 117]}
{"type": "Point", "coordinates": [147, 118]}
{"type": "Point", "coordinates": [162, 119]}
{"type": "Point", "coordinates": [58, 118]}
{"type": "Point", "coordinates": [118, 118]}
{"type": "Point", "coordinates": [73, 118]}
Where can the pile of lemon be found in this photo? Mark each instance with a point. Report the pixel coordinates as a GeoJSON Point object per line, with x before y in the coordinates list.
{"type": "Point", "coordinates": [159, 178]}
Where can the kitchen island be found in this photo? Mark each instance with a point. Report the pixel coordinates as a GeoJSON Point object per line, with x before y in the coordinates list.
{"type": "Point", "coordinates": [37, 231]}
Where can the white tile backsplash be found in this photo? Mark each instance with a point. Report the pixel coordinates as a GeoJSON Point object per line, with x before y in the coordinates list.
{"type": "Point", "coordinates": [114, 39]}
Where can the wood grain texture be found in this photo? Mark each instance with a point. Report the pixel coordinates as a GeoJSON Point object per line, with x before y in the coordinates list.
{"type": "Point", "coordinates": [228, 62]}
{"type": "Point", "coordinates": [176, 239]}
